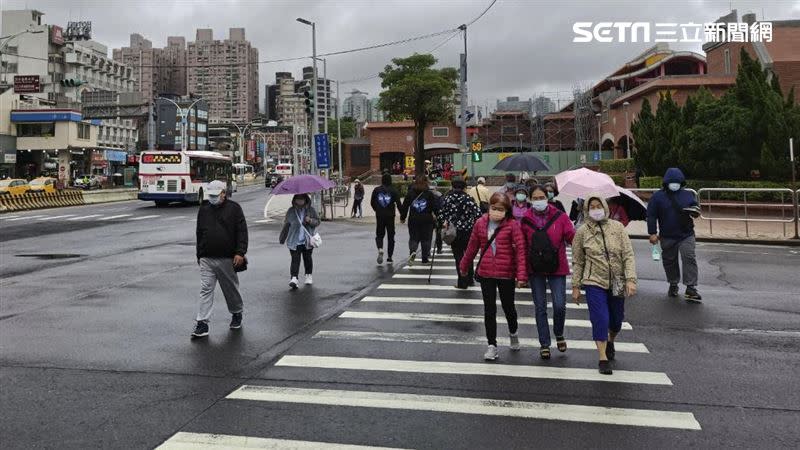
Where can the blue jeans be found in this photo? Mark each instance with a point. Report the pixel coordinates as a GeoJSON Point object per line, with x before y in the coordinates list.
{"type": "Point", "coordinates": [606, 312]}
{"type": "Point", "coordinates": [558, 287]}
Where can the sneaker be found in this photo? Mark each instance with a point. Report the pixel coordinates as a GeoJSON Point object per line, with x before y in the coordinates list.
{"type": "Point", "coordinates": [236, 321]}
{"type": "Point", "coordinates": [514, 344]}
{"type": "Point", "coordinates": [692, 295]}
{"type": "Point", "coordinates": [380, 256]}
{"type": "Point", "coordinates": [673, 290]}
{"type": "Point", "coordinates": [293, 283]}
{"type": "Point", "coordinates": [389, 260]}
{"type": "Point", "coordinates": [610, 351]}
{"type": "Point", "coordinates": [200, 330]}
{"type": "Point", "coordinates": [604, 367]}
{"type": "Point", "coordinates": [309, 280]}
{"type": "Point", "coordinates": [411, 258]}
{"type": "Point", "coordinates": [491, 353]}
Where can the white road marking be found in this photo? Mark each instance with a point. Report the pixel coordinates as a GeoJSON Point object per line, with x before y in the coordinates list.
{"type": "Point", "coordinates": [119, 216]}
{"type": "Point", "coordinates": [9, 217]}
{"type": "Point", "coordinates": [423, 338]}
{"type": "Point", "coordinates": [145, 217]}
{"type": "Point", "coordinates": [56, 217]}
{"type": "Point", "coordinates": [177, 217]}
{"type": "Point", "coordinates": [578, 323]}
{"type": "Point", "coordinates": [467, 405]}
{"type": "Point", "coordinates": [25, 217]}
{"type": "Point", "coordinates": [263, 221]}
{"type": "Point", "coordinates": [84, 217]}
{"type": "Point", "coordinates": [436, 287]}
{"type": "Point", "coordinates": [183, 440]}
{"type": "Point", "coordinates": [449, 301]}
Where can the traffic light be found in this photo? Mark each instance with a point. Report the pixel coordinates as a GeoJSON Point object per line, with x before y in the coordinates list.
{"type": "Point", "coordinates": [71, 82]}
{"type": "Point", "coordinates": [309, 102]}
{"type": "Point", "coordinates": [477, 156]}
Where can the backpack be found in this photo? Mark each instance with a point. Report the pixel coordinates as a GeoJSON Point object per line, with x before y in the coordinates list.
{"type": "Point", "coordinates": [542, 256]}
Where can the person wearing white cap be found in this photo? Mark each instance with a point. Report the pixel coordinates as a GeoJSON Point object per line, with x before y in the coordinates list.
{"type": "Point", "coordinates": [480, 194]}
{"type": "Point", "coordinates": [221, 248]}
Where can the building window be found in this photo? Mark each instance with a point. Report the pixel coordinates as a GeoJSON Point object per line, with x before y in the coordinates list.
{"type": "Point", "coordinates": [509, 130]}
{"type": "Point", "coordinates": [727, 61]}
{"type": "Point", "coordinates": [441, 131]}
{"type": "Point", "coordinates": [47, 129]}
{"type": "Point", "coordinates": [84, 131]}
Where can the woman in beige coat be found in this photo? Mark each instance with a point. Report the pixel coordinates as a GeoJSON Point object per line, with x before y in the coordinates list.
{"type": "Point", "coordinates": [603, 265]}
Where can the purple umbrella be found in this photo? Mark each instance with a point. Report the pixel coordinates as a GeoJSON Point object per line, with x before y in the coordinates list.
{"type": "Point", "coordinates": [303, 184]}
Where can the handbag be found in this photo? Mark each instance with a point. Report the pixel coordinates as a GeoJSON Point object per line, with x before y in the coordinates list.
{"type": "Point", "coordinates": [449, 233]}
{"type": "Point", "coordinates": [484, 206]}
{"type": "Point", "coordinates": [477, 277]}
{"type": "Point", "coordinates": [615, 284]}
{"type": "Point", "coordinates": [313, 241]}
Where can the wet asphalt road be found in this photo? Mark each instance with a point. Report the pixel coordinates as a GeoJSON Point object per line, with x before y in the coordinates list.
{"type": "Point", "coordinates": [95, 352]}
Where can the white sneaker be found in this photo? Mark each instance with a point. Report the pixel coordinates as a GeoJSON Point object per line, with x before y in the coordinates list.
{"type": "Point", "coordinates": [491, 353]}
{"type": "Point", "coordinates": [380, 256]}
{"type": "Point", "coordinates": [293, 283]}
{"type": "Point", "coordinates": [309, 280]}
{"type": "Point", "coordinates": [514, 345]}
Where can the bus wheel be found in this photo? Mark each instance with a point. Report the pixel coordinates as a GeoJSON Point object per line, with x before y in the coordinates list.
{"type": "Point", "coordinates": [200, 197]}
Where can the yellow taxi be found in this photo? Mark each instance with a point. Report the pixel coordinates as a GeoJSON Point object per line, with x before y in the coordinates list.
{"type": "Point", "coordinates": [13, 186]}
{"type": "Point", "coordinates": [43, 184]}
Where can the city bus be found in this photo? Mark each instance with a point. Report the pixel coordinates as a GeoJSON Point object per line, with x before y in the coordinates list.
{"type": "Point", "coordinates": [175, 176]}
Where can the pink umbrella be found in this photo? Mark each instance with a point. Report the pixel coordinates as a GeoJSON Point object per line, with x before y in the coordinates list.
{"type": "Point", "coordinates": [581, 182]}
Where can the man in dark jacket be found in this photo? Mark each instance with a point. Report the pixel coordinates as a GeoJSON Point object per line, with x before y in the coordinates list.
{"type": "Point", "coordinates": [669, 220]}
{"type": "Point", "coordinates": [385, 199]}
{"type": "Point", "coordinates": [221, 246]}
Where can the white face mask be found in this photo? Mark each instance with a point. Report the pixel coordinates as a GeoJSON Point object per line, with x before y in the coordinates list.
{"type": "Point", "coordinates": [674, 187]}
{"type": "Point", "coordinates": [597, 214]}
{"type": "Point", "coordinates": [540, 205]}
{"type": "Point", "coordinates": [521, 197]}
{"type": "Point", "coordinates": [213, 199]}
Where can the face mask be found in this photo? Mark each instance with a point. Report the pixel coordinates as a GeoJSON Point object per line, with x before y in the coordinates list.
{"type": "Point", "coordinates": [550, 195]}
{"type": "Point", "coordinates": [213, 199]}
{"type": "Point", "coordinates": [521, 197]}
{"type": "Point", "coordinates": [510, 184]}
{"type": "Point", "coordinates": [496, 216]}
{"type": "Point", "coordinates": [674, 187]}
{"type": "Point", "coordinates": [540, 205]}
{"type": "Point", "coordinates": [597, 214]}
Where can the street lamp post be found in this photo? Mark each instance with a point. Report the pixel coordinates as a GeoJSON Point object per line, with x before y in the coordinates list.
{"type": "Point", "coordinates": [183, 113]}
{"type": "Point", "coordinates": [520, 142]}
{"type": "Point", "coordinates": [627, 130]}
{"type": "Point", "coordinates": [314, 88]}
{"type": "Point", "coordinates": [3, 46]}
{"type": "Point", "coordinates": [599, 139]}
{"type": "Point", "coordinates": [239, 140]}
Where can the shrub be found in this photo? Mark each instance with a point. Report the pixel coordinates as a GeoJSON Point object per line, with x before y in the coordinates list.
{"type": "Point", "coordinates": [617, 165]}
{"type": "Point", "coordinates": [775, 197]}
{"type": "Point", "coordinates": [619, 179]}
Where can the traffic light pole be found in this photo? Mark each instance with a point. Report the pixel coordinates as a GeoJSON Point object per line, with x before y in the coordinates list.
{"type": "Point", "coordinates": [463, 82]}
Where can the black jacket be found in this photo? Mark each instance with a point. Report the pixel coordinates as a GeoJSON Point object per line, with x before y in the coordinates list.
{"type": "Point", "coordinates": [221, 230]}
{"type": "Point", "coordinates": [419, 207]}
{"type": "Point", "coordinates": [388, 196]}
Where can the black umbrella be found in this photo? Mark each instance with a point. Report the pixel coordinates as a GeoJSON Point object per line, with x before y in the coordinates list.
{"type": "Point", "coordinates": [522, 162]}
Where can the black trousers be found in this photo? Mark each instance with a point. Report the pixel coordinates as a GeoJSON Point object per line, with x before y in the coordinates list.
{"type": "Point", "coordinates": [420, 233]}
{"type": "Point", "coordinates": [308, 262]}
{"type": "Point", "coordinates": [356, 207]}
{"type": "Point", "coordinates": [459, 246]}
{"type": "Point", "coordinates": [385, 227]}
{"type": "Point", "coordinates": [438, 230]}
{"type": "Point", "coordinates": [489, 288]}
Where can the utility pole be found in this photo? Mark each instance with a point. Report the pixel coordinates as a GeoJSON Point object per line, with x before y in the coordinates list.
{"type": "Point", "coordinates": [794, 189]}
{"type": "Point", "coordinates": [463, 87]}
{"type": "Point", "coordinates": [339, 135]}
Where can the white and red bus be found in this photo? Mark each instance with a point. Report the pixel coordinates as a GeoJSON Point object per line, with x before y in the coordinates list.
{"type": "Point", "coordinates": [175, 176]}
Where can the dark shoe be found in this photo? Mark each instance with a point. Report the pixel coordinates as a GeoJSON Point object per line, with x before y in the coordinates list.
{"type": "Point", "coordinates": [673, 290]}
{"type": "Point", "coordinates": [426, 261]}
{"type": "Point", "coordinates": [610, 351]}
{"type": "Point", "coordinates": [692, 295]}
{"type": "Point", "coordinates": [439, 251]}
{"type": "Point", "coordinates": [236, 321]}
{"type": "Point", "coordinates": [389, 260]}
{"type": "Point", "coordinates": [561, 343]}
{"type": "Point", "coordinates": [605, 368]}
{"type": "Point", "coordinates": [200, 330]}
{"type": "Point", "coordinates": [544, 352]}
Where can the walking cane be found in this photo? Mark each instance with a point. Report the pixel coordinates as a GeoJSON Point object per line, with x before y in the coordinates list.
{"type": "Point", "coordinates": [433, 257]}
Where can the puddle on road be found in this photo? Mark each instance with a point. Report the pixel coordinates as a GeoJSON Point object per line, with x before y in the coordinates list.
{"type": "Point", "coordinates": [51, 256]}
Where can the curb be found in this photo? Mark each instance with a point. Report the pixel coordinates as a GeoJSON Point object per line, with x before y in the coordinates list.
{"type": "Point", "coordinates": [741, 241]}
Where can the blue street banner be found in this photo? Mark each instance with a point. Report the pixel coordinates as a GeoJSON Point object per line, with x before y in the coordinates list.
{"type": "Point", "coordinates": [323, 151]}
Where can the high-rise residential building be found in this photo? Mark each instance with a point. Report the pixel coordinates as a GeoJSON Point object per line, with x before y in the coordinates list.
{"type": "Point", "coordinates": [271, 95]}
{"type": "Point", "coordinates": [357, 106]}
{"type": "Point", "coordinates": [168, 123]}
{"type": "Point", "coordinates": [290, 105]}
{"type": "Point", "coordinates": [324, 101]}
{"type": "Point", "coordinates": [225, 73]}
{"type": "Point", "coordinates": [514, 104]}
{"type": "Point", "coordinates": [543, 105]}
{"type": "Point", "coordinates": [376, 114]}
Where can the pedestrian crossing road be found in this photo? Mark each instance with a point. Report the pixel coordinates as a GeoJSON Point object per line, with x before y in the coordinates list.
{"type": "Point", "coordinates": [402, 368]}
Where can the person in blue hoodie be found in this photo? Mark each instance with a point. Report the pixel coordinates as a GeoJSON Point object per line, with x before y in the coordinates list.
{"type": "Point", "coordinates": [670, 214]}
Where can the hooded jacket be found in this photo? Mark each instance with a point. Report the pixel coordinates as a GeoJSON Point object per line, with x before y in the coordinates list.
{"type": "Point", "coordinates": [590, 266]}
{"type": "Point", "coordinates": [508, 262]}
{"type": "Point", "coordinates": [661, 211]}
{"type": "Point", "coordinates": [419, 207]}
{"type": "Point", "coordinates": [385, 199]}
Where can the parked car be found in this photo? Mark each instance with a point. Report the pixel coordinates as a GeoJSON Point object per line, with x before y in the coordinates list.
{"type": "Point", "coordinates": [43, 184]}
{"type": "Point", "coordinates": [14, 186]}
{"type": "Point", "coordinates": [87, 182]}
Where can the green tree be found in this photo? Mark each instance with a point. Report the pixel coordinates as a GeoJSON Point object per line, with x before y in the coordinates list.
{"type": "Point", "coordinates": [348, 130]}
{"type": "Point", "coordinates": [415, 90]}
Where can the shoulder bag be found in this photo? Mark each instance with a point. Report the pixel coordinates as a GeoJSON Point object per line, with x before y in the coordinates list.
{"type": "Point", "coordinates": [313, 241]}
{"type": "Point", "coordinates": [477, 277]}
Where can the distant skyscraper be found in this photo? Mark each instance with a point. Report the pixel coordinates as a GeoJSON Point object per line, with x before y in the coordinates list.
{"type": "Point", "coordinates": [356, 106]}
{"type": "Point", "coordinates": [542, 106]}
{"type": "Point", "coordinates": [157, 70]}
{"type": "Point", "coordinates": [514, 104]}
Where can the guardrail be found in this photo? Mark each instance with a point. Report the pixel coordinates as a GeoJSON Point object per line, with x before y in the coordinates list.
{"type": "Point", "coordinates": [707, 203]}
{"type": "Point", "coordinates": [38, 200]}
{"type": "Point", "coordinates": [339, 196]}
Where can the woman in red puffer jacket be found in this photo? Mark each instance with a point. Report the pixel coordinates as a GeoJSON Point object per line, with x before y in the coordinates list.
{"type": "Point", "coordinates": [502, 261]}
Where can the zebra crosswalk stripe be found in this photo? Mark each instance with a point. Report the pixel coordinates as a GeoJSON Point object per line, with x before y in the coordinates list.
{"type": "Point", "coordinates": [447, 301]}
{"type": "Point", "coordinates": [578, 323]}
{"type": "Point", "coordinates": [187, 441]}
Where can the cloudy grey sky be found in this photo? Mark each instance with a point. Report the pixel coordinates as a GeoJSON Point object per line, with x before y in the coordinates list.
{"type": "Point", "coordinates": [519, 48]}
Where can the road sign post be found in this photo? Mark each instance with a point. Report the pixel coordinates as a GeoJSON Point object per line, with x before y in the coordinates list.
{"type": "Point", "coordinates": [322, 150]}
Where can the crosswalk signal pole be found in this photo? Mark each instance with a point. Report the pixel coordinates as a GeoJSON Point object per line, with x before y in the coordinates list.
{"type": "Point", "coordinates": [794, 189]}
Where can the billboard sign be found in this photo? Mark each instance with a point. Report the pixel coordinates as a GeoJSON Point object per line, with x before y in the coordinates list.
{"type": "Point", "coordinates": [56, 35]}
{"type": "Point", "coordinates": [27, 84]}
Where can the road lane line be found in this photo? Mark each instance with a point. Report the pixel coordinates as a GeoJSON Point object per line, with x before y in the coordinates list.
{"type": "Point", "coordinates": [430, 317]}
{"type": "Point", "coordinates": [84, 217]}
{"type": "Point", "coordinates": [119, 216]}
{"type": "Point", "coordinates": [414, 276]}
{"type": "Point", "coordinates": [423, 338]}
{"type": "Point", "coordinates": [25, 217]}
{"type": "Point", "coordinates": [144, 217]}
{"type": "Point", "coordinates": [438, 287]}
{"type": "Point", "coordinates": [448, 301]}
{"type": "Point", "coordinates": [56, 217]}
{"type": "Point", "coordinates": [187, 441]}
{"type": "Point", "coordinates": [472, 406]}
{"type": "Point", "coordinates": [9, 217]}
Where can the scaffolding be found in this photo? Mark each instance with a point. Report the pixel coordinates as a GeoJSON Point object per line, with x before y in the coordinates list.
{"type": "Point", "coordinates": [584, 118]}
{"type": "Point", "coordinates": [550, 130]}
